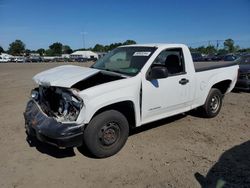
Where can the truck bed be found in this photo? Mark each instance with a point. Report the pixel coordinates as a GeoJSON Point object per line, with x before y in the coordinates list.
{"type": "Point", "coordinates": [204, 66]}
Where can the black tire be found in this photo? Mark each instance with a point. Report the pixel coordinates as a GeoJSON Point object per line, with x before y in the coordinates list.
{"type": "Point", "coordinates": [106, 133]}
{"type": "Point", "coordinates": [213, 103]}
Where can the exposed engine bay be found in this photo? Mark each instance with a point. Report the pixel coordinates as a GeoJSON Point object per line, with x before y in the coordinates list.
{"type": "Point", "coordinates": [60, 103]}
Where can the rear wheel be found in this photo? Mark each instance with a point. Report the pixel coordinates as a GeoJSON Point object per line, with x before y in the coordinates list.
{"type": "Point", "coordinates": [213, 103]}
{"type": "Point", "coordinates": [106, 133]}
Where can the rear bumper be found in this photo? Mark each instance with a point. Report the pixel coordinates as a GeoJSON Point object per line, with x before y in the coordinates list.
{"type": "Point", "coordinates": [243, 84]}
{"type": "Point", "coordinates": [48, 130]}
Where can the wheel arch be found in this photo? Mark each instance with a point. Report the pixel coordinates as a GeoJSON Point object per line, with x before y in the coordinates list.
{"type": "Point", "coordinates": [223, 86]}
{"type": "Point", "coordinates": [127, 108]}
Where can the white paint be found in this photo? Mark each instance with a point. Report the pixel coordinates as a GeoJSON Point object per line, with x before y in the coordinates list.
{"type": "Point", "coordinates": [64, 76]}
{"type": "Point", "coordinates": [168, 99]}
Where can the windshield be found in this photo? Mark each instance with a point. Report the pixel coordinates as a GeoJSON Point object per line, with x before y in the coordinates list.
{"type": "Point", "coordinates": [243, 60]}
{"type": "Point", "coordinates": [125, 60]}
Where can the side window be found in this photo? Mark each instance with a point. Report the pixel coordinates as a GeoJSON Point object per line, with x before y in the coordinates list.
{"type": "Point", "coordinates": [172, 59]}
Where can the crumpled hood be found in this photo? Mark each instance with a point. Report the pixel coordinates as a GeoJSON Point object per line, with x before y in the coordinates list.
{"type": "Point", "coordinates": [64, 76]}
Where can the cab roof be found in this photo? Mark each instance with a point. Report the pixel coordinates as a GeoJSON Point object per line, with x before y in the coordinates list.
{"type": "Point", "coordinates": [158, 45]}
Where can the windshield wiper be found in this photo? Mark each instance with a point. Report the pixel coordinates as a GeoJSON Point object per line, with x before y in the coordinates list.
{"type": "Point", "coordinates": [111, 70]}
{"type": "Point", "coordinates": [117, 71]}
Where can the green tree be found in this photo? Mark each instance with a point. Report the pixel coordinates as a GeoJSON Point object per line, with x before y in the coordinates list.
{"type": "Point", "coordinates": [229, 45]}
{"type": "Point", "coordinates": [128, 42]}
{"type": "Point", "coordinates": [99, 48]}
{"type": "Point", "coordinates": [106, 48]}
{"type": "Point", "coordinates": [17, 47]}
{"type": "Point", "coordinates": [49, 52]}
{"type": "Point", "coordinates": [114, 45]}
{"type": "Point", "coordinates": [204, 50]}
{"type": "Point", "coordinates": [41, 51]}
{"type": "Point", "coordinates": [222, 51]}
{"type": "Point", "coordinates": [236, 48]}
{"type": "Point", "coordinates": [201, 49]}
{"type": "Point", "coordinates": [66, 49]}
{"type": "Point", "coordinates": [192, 49]}
{"type": "Point", "coordinates": [27, 52]}
{"type": "Point", "coordinates": [210, 50]}
{"type": "Point", "coordinates": [55, 49]}
{"type": "Point", "coordinates": [247, 50]}
{"type": "Point", "coordinates": [1, 50]}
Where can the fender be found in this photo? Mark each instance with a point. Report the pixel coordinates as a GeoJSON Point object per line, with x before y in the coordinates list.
{"type": "Point", "coordinates": [216, 77]}
{"type": "Point", "coordinates": [109, 104]}
{"type": "Point", "coordinates": [110, 93]}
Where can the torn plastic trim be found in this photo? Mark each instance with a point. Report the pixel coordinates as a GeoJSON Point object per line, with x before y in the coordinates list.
{"type": "Point", "coordinates": [47, 129]}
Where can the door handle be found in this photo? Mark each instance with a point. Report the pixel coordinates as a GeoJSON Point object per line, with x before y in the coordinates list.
{"type": "Point", "coordinates": [183, 81]}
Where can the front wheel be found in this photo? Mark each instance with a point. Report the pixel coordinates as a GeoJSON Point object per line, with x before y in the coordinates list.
{"type": "Point", "coordinates": [213, 103]}
{"type": "Point", "coordinates": [106, 133]}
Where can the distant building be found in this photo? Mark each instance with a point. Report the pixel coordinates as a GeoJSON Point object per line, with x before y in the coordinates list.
{"type": "Point", "coordinates": [84, 54]}
{"type": "Point", "coordinates": [49, 58]}
{"type": "Point", "coordinates": [67, 56]}
{"type": "Point", "coordinates": [6, 56]}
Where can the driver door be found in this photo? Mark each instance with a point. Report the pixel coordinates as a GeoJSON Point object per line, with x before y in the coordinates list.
{"type": "Point", "coordinates": [166, 96]}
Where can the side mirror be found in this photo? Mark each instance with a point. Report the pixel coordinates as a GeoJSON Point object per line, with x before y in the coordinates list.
{"type": "Point", "coordinates": [157, 72]}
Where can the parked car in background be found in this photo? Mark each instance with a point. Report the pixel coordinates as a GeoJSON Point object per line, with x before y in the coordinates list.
{"type": "Point", "coordinates": [197, 56]}
{"type": "Point", "coordinates": [80, 59]}
{"type": "Point", "coordinates": [229, 57]}
{"type": "Point", "coordinates": [243, 81]}
{"type": "Point", "coordinates": [33, 59]}
{"type": "Point", "coordinates": [208, 57]}
{"type": "Point", "coordinates": [217, 57]}
{"type": "Point", "coordinates": [48, 59]}
{"type": "Point", "coordinates": [18, 59]}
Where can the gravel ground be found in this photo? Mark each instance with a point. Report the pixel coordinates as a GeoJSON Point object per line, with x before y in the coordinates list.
{"type": "Point", "coordinates": [182, 151]}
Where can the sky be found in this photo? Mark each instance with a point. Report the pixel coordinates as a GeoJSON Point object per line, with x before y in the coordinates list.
{"type": "Point", "coordinates": [84, 23]}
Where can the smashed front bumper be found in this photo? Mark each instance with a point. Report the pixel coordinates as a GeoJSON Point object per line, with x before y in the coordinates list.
{"type": "Point", "coordinates": [48, 130]}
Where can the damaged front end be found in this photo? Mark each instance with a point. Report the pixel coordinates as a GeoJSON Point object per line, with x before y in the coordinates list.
{"type": "Point", "coordinates": [51, 116]}
{"type": "Point", "coordinates": [62, 104]}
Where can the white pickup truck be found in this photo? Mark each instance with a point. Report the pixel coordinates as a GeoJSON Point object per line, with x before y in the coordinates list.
{"type": "Point", "coordinates": [129, 87]}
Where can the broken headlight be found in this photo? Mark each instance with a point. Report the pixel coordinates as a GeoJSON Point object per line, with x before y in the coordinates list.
{"type": "Point", "coordinates": [34, 94]}
{"type": "Point", "coordinates": [62, 104]}
{"type": "Point", "coordinates": [69, 107]}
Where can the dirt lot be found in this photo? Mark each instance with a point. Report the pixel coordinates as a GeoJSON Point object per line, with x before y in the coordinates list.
{"type": "Point", "coordinates": [183, 151]}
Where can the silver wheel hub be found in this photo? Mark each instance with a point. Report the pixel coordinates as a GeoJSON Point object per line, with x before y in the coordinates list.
{"type": "Point", "coordinates": [215, 103]}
